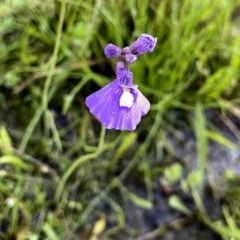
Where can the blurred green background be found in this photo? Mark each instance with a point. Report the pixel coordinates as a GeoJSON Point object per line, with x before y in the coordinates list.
{"type": "Point", "coordinates": [63, 176]}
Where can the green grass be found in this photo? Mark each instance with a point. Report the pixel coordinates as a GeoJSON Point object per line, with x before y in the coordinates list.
{"type": "Point", "coordinates": [60, 171]}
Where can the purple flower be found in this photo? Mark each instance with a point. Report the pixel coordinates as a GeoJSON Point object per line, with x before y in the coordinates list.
{"type": "Point", "coordinates": [145, 43]}
{"type": "Point", "coordinates": [118, 107]}
{"type": "Point", "coordinates": [112, 51]}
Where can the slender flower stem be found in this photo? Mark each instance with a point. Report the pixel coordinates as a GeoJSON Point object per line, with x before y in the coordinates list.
{"type": "Point", "coordinates": [102, 138]}
{"type": "Point", "coordinates": [46, 91]}
{"type": "Point", "coordinates": [53, 60]}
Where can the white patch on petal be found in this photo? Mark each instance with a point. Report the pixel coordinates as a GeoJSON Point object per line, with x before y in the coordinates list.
{"type": "Point", "coordinates": [126, 99]}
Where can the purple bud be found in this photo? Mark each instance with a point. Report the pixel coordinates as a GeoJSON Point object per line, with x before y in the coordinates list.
{"type": "Point", "coordinates": [112, 51]}
{"type": "Point", "coordinates": [145, 43]}
{"type": "Point", "coordinates": [126, 50]}
{"type": "Point", "coordinates": [130, 58]}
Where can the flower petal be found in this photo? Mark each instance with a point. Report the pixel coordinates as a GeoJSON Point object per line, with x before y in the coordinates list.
{"type": "Point", "coordinates": [145, 43]}
{"type": "Point", "coordinates": [112, 51]}
{"type": "Point", "coordinates": [105, 106]}
{"type": "Point", "coordinates": [124, 76]}
{"type": "Point", "coordinates": [130, 58]}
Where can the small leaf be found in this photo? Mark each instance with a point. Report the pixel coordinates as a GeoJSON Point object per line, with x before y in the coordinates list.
{"type": "Point", "coordinates": [99, 227]}
{"type": "Point", "coordinates": [5, 141]}
{"type": "Point", "coordinates": [15, 162]}
{"type": "Point", "coordinates": [176, 203]}
{"type": "Point", "coordinates": [50, 232]}
{"type": "Point", "coordinates": [230, 221]}
{"type": "Point", "coordinates": [173, 173]}
{"type": "Point", "coordinates": [221, 139]}
{"type": "Point", "coordinates": [139, 201]}
{"type": "Point", "coordinates": [230, 175]}
{"type": "Point", "coordinates": [195, 179]}
{"type": "Point", "coordinates": [67, 103]}
{"type": "Point", "coordinates": [128, 140]}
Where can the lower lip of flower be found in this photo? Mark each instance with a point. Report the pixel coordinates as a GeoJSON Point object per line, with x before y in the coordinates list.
{"type": "Point", "coordinates": [126, 99]}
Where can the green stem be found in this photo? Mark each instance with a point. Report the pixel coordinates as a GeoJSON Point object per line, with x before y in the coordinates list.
{"type": "Point", "coordinates": [45, 98]}
{"type": "Point", "coordinates": [53, 60]}
{"type": "Point", "coordinates": [102, 138]}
